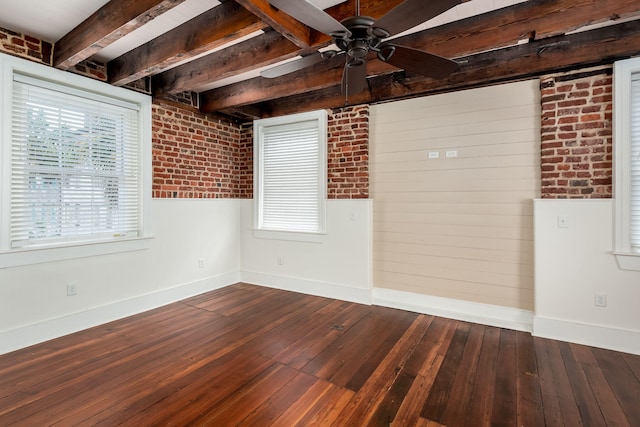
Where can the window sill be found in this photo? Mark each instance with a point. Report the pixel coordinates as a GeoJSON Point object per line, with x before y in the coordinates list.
{"type": "Point", "coordinates": [628, 260]}
{"type": "Point", "coordinates": [289, 236]}
{"type": "Point", "coordinates": [22, 257]}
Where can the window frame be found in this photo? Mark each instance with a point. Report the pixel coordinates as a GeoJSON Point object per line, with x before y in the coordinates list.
{"type": "Point", "coordinates": [33, 254]}
{"type": "Point", "coordinates": [624, 70]}
{"type": "Point", "coordinates": [321, 118]}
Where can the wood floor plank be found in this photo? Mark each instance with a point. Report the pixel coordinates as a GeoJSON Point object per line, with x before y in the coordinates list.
{"type": "Point", "coordinates": [379, 345]}
{"type": "Point", "coordinates": [588, 407]}
{"type": "Point", "coordinates": [50, 391]}
{"type": "Point", "coordinates": [247, 355]}
{"type": "Point", "coordinates": [633, 361]}
{"type": "Point", "coordinates": [350, 359]}
{"type": "Point", "coordinates": [180, 398]}
{"type": "Point", "coordinates": [105, 386]}
{"type": "Point", "coordinates": [607, 402]}
{"type": "Point", "coordinates": [623, 382]}
{"type": "Point", "coordinates": [309, 400]}
{"type": "Point", "coordinates": [320, 336]}
{"type": "Point", "coordinates": [238, 405]}
{"type": "Point", "coordinates": [378, 400]}
{"type": "Point", "coordinates": [425, 362]}
{"type": "Point", "coordinates": [505, 393]}
{"type": "Point", "coordinates": [436, 403]}
{"type": "Point", "coordinates": [45, 356]}
{"type": "Point", "coordinates": [549, 392]}
{"type": "Point", "coordinates": [464, 382]}
{"type": "Point", "coordinates": [568, 408]}
{"type": "Point", "coordinates": [277, 404]}
{"type": "Point", "coordinates": [529, 401]}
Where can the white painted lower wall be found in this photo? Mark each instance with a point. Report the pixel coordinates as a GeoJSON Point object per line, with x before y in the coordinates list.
{"type": "Point", "coordinates": [572, 264]}
{"type": "Point", "coordinates": [34, 305]}
{"type": "Point", "coordinates": [338, 267]}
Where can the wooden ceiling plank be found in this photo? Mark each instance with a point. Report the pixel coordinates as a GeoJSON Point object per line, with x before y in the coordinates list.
{"type": "Point", "coordinates": [214, 28]}
{"type": "Point", "coordinates": [111, 22]}
{"type": "Point", "coordinates": [454, 40]}
{"type": "Point", "coordinates": [298, 33]}
{"type": "Point", "coordinates": [556, 54]}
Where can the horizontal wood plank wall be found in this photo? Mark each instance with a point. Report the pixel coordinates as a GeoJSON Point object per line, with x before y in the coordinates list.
{"type": "Point", "coordinates": [457, 227]}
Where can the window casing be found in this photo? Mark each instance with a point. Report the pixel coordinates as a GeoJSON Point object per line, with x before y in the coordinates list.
{"type": "Point", "coordinates": [75, 159]}
{"type": "Point", "coordinates": [290, 176]}
{"type": "Point", "coordinates": [627, 163]}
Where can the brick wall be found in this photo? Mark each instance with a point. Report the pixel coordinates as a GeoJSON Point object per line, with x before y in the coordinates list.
{"type": "Point", "coordinates": [576, 135]}
{"type": "Point", "coordinates": [348, 153]}
{"type": "Point", "coordinates": [28, 47]}
{"type": "Point", "coordinates": [194, 156]}
{"type": "Point", "coordinates": [245, 161]}
{"type": "Point", "coordinates": [34, 49]}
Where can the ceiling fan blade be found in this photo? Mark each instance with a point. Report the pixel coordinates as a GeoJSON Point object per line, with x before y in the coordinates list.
{"type": "Point", "coordinates": [311, 16]}
{"type": "Point", "coordinates": [290, 67]}
{"type": "Point", "coordinates": [417, 61]}
{"type": "Point", "coordinates": [354, 77]}
{"type": "Point", "coordinates": [409, 14]}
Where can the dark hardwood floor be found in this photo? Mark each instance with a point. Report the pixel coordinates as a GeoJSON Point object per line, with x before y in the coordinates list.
{"type": "Point", "coordinates": [246, 355]}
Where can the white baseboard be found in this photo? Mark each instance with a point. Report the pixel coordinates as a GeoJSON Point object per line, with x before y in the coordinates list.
{"type": "Point", "coordinates": [53, 328]}
{"type": "Point", "coordinates": [310, 287]}
{"type": "Point", "coordinates": [485, 314]}
{"type": "Point", "coordinates": [626, 341]}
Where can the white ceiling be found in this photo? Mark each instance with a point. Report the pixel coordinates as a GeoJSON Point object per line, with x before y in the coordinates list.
{"type": "Point", "coordinates": [50, 20]}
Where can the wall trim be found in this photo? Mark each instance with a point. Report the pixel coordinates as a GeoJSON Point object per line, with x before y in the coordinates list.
{"type": "Point", "coordinates": [309, 287]}
{"type": "Point", "coordinates": [485, 314]}
{"type": "Point", "coordinates": [624, 340]}
{"type": "Point", "coordinates": [46, 330]}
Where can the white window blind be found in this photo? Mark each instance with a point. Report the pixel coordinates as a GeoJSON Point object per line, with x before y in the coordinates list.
{"type": "Point", "coordinates": [635, 163]}
{"type": "Point", "coordinates": [291, 178]}
{"type": "Point", "coordinates": [74, 166]}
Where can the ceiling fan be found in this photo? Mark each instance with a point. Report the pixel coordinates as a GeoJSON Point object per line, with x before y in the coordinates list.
{"type": "Point", "coordinates": [358, 35]}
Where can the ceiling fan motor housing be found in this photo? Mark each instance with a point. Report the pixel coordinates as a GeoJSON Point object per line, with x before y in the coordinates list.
{"type": "Point", "coordinates": [361, 40]}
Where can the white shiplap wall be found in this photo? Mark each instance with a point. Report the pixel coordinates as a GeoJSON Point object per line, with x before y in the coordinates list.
{"type": "Point", "coordinates": [459, 228]}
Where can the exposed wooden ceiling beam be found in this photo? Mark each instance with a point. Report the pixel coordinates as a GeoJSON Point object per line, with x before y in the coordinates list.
{"type": "Point", "coordinates": [298, 33]}
{"type": "Point", "coordinates": [262, 50]}
{"type": "Point", "coordinates": [214, 28]}
{"type": "Point", "coordinates": [259, 51]}
{"type": "Point", "coordinates": [554, 54]}
{"type": "Point", "coordinates": [111, 22]}
{"type": "Point", "coordinates": [503, 27]}
{"type": "Point", "coordinates": [510, 25]}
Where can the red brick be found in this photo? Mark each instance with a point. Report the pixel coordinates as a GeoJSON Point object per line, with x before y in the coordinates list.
{"type": "Point", "coordinates": [584, 128]}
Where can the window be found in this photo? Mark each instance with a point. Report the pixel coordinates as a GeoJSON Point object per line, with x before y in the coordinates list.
{"type": "Point", "coordinates": [73, 161]}
{"type": "Point", "coordinates": [627, 163]}
{"type": "Point", "coordinates": [290, 174]}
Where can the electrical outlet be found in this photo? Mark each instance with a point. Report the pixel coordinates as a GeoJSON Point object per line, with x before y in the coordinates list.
{"type": "Point", "coordinates": [201, 262]}
{"type": "Point", "coordinates": [600, 299]}
{"type": "Point", "coordinates": [563, 221]}
{"type": "Point", "coordinates": [450, 154]}
{"type": "Point", "coordinates": [72, 289]}
{"type": "Point", "coordinates": [433, 155]}
{"type": "Point", "coordinates": [280, 260]}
